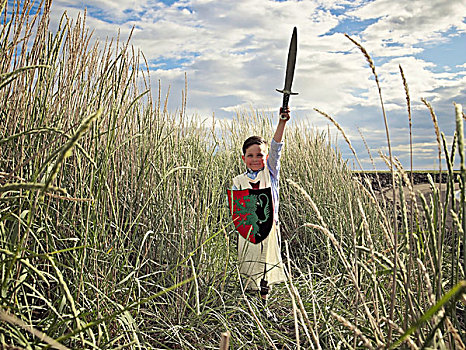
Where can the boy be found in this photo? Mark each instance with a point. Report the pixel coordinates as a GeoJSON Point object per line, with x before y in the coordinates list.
{"type": "Point", "coordinates": [261, 264]}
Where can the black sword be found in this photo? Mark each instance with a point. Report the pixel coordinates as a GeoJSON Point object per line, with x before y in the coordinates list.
{"type": "Point", "coordinates": [290, 69]}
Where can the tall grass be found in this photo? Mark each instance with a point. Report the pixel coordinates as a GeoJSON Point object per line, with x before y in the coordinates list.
{"type": "Point", "coordinates": [114, 231]}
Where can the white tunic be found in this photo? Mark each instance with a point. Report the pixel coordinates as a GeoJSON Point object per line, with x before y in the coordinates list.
{"type": "Point", "coordinates": [262, 260]}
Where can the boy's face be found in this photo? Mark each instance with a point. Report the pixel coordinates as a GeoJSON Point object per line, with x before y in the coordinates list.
{"type": "Point", "coordinates": [255, 157]}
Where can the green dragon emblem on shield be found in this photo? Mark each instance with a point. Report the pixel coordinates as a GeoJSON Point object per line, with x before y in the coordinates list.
{"type": "Point", "coordinates": [248, 211]}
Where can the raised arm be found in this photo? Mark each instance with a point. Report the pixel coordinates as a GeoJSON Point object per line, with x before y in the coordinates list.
{"type": "Point", "coordinates": [284, 117]}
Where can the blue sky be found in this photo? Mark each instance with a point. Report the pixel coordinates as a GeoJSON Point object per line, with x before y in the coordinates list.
{"type": "Point", "coordinates": [234, 55]}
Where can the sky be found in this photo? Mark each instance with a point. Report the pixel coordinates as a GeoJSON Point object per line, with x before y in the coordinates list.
{"type": "Point", "coordinates": [234, 56]}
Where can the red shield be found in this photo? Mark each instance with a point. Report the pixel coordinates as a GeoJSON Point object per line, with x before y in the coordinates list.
{"type": "Point", "coordinates": [252, 212]}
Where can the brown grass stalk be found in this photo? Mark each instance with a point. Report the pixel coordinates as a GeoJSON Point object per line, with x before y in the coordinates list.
{"type": "Point", "coordinates": [338, 126]}
{"type": "Point", "coordinates": [395, 225]}
{"type": "Point", "coordinates": [411, 239]}
{"type": "Point", "coordinates": [356, 330]}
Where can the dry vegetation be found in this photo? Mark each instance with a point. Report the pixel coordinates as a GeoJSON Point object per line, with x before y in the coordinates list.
{"type": "Point", "coordinates": [114, 231]}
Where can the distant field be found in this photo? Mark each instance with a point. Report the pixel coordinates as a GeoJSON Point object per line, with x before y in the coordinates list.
{"type": "Point", "coordinates": [384, 178]}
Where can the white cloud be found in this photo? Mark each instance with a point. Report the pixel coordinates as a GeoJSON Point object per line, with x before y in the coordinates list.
{"type": "Point", "coordinates": [410, 22]}
{"type": "Point", "coordinates": [234, 52]}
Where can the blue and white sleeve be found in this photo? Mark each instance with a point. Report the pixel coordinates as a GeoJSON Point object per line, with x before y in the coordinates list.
{"type": "Point", "coordinates": [273, 161]}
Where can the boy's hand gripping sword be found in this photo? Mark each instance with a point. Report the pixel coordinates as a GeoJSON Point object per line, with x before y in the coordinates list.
{"type": "Point", "coordinates": [290, 70]}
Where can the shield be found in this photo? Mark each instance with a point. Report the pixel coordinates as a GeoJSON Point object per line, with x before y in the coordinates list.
{"type": "Point", "coordinates": [252, 212]}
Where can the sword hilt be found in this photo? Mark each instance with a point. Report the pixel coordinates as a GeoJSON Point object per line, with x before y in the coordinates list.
{"type": "Point", "coordinates": [286, 98]}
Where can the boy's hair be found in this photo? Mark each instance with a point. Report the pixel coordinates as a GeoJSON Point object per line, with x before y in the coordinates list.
{"type": "Point", "coordinates": [253, 140]}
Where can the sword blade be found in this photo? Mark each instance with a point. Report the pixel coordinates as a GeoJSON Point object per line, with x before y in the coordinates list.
{"type": "Point", "coordinates": [291, 61]}
{"type": "Point", "coordinates": [290, 66]}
